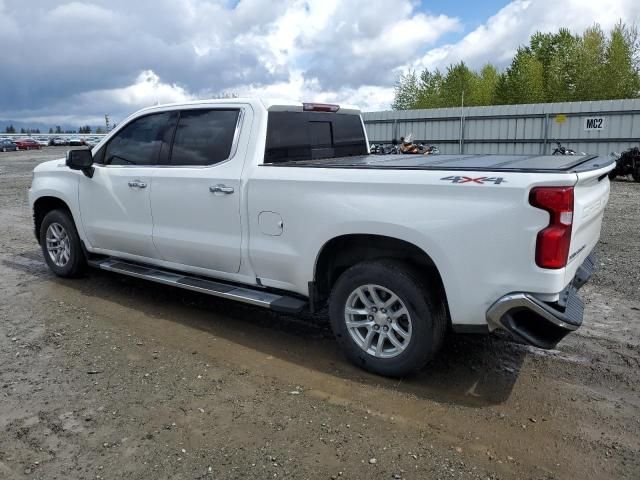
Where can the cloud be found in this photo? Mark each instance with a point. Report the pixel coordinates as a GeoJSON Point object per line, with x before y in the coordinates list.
{"type": "Point", "coordinates": [61, 59]}
{"type": "Point", "coordinates": [497, 40]}
{"type": "Point", "coordinates": [74, 61]}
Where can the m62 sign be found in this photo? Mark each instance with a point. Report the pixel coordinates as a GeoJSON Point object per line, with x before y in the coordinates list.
{"type": "Point", "coordinates": [594, 123]}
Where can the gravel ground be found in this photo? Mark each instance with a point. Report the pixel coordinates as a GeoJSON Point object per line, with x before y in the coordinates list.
{"type": "Point", "coordinates": [110, 377]}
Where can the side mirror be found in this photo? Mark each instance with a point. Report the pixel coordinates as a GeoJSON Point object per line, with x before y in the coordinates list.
{"type": "Point", "coordinates": [81, 160]}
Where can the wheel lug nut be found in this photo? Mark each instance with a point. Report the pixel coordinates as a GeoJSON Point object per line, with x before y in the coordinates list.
{"type": "Point", "coordinates": [383, 310]}
{"type": "Point", "coordinates": [376, 327]}
{"type": "Point", "coordinates": [370, 317]}
{"type": "Point", "coordinates": [374, 309]}
{"type": "Point", "coordinates": [385, 328]}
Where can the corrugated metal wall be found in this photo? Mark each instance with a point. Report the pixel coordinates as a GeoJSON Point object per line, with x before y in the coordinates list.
{"type": "Point", "coordinates": [598, 127]}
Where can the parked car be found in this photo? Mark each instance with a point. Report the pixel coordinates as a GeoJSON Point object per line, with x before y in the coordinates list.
{"type": "Point", "coordinates": [92, 141]}
{"type": "Point", "coordinates": [76, 141]}
{"type": "Point", "coordinates": [57, 142]}
{"type": "Point", "coordinates": [27, 144]}
{"type": "Point", "coordinates": [7, 145]}
{"type": "Point", "coordinates": [43, 142]}
{"type": "Point", "coordinates": [281, 206]}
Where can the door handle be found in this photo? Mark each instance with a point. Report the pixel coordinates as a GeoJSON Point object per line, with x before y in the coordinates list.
{"type": "Point", "coordinates": [137, 184]}
{"type": "Point", "coordinates": [221, 189]}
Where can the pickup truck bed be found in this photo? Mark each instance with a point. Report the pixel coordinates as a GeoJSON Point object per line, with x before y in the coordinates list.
{"type": "Point", "coordinates": [476, 163]}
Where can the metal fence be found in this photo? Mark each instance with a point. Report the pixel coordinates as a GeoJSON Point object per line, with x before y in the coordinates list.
{"type": "Point", "coordinates": [598, 127]}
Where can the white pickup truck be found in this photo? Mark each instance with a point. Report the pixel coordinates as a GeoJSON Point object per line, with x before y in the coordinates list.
{"type": "Point", "coordinates": [280, 205]}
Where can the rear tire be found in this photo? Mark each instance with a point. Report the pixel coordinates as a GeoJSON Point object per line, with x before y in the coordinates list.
{"type": "Point", "coordinates": [636, 174]}
{"type": "Point", "coordinates": [61, 244]}
{"type": "Point", "coordinates": [364, 295]}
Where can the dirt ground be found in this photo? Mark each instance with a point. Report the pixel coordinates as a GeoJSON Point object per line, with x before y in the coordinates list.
{"type": "Point", "coordinates": [109, 377]}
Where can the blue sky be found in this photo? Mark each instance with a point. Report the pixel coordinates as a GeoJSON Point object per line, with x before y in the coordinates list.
{"type": "Point", "coordinates": [116, 56]}
{"type": "Point", "coordinates": [472, 13]}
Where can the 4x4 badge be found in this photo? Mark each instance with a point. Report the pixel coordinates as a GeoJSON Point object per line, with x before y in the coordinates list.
{"type": "Point", "coordinates": [480, 180]}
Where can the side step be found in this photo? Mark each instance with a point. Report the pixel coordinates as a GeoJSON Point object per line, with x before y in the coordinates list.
{"type": "Point", "coordinates": [273, 301]}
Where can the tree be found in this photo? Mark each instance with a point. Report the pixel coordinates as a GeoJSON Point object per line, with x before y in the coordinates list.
{"type": "Point", "coordinates": [10, 129]}
{"type": "Point", "coordinates": [591, 65]}
{"type": "Point", "coordinates": [487, 84]}
{"type": "Point", "coordinates": [99, 130]}
{"type": "Point", "coordinates": [58, 129]}
{"type": "Point", "coordinates": [553, 67]}
{"type": "Point", "coordinates": [622, 74]}
{"type": "Point", "coordinates": [406, 92]}
{"type": "Point", "coordinates": [51, 130]}
{"type": "Point", "coordinates": [523, 81]}
{"type": "Point", "coordinates": [430, 90]}
{"type": "Point", "coordinates": [459, 79]}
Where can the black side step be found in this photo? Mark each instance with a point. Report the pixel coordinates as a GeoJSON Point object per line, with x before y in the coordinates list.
{"type": "Point", "coordinates": [261, 298]}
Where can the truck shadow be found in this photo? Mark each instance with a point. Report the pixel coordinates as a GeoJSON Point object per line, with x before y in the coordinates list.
{"type": "Point", "coordinates": [470, 370]}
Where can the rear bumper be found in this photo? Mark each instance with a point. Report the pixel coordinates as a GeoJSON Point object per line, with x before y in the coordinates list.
{"type": "Point", "coordinates": [539, 323]}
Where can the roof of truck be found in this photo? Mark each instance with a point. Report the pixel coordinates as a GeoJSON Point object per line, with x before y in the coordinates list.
{"type": "Point", "coordinates": [271, 104]}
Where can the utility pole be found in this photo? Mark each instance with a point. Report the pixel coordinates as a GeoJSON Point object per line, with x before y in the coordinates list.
{"type": "Point", "coordinates": [462, 124]}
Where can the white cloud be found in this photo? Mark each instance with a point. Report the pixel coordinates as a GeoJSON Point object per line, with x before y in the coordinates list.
{"type": "Point", "coordinates": [497, 40]}
{"type": "Point", "coordinates": [147, 90]}
{"type": "Point", "coordinates": [114, 56]}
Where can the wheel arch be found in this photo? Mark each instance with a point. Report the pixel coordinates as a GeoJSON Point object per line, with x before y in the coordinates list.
{"type": "Point", "coordinates": [44, 205]}
{"type": "Point", "coordinates": [344, 251]}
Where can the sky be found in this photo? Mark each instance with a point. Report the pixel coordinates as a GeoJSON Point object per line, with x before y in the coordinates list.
{"type": "Point", "coordinates": [71, 62]}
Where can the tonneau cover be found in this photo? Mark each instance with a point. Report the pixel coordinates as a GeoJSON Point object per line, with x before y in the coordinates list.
{"type": "Point", "coordinates": [494, 163]}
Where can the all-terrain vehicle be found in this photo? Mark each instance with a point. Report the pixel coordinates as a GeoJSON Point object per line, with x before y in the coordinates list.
{"type": "Point", "coordinates": [627, 164]}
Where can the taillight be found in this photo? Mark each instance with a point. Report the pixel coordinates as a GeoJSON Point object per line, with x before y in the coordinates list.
{"type": "Point", "coordinates": [552, 246]}
{"type": "Point", "coordinates": [320, 107]}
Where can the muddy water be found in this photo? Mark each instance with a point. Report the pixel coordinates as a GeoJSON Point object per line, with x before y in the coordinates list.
{"type": "Point", "coordinates": [112, 377]}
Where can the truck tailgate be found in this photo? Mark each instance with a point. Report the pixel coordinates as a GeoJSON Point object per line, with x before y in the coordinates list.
{"type": "Point", "coordinates": [591, 194]}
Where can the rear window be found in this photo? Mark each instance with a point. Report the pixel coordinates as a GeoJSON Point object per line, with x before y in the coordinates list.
{"type": "Point", "coordinates": [295, 136]}
{"type": "Point", "coordinates": [203, 137]}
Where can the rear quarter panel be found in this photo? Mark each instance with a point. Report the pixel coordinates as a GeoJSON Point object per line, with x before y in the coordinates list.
{"type": "Point", "coordinates": [481, 236]}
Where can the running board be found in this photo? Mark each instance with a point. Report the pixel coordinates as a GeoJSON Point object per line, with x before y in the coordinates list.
{"type": "Point", "coordinates": [261, 298]}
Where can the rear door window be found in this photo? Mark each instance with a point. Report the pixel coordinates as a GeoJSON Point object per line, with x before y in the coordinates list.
{"type": "Point", "coordinates": [203, 137]}
{"type": "Point", "coordinates": [296, 136]}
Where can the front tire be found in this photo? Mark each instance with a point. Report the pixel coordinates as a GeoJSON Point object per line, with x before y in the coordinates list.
{"type": "Point", "coordinates": [386, 317]}
{"type": "Point", "coordinates": [61, 245]}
